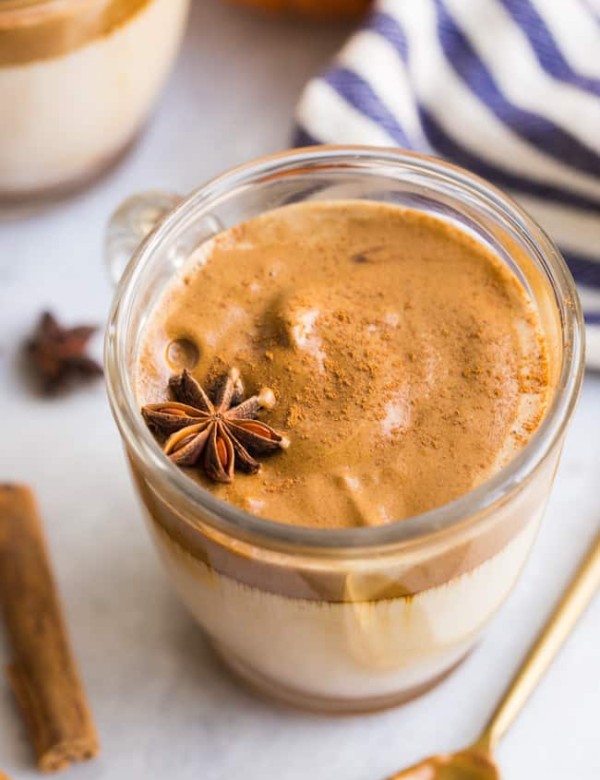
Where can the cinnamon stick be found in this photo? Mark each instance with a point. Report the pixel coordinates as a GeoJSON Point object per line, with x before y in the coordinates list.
{"type": "Point", "coordinates": [43, 674]}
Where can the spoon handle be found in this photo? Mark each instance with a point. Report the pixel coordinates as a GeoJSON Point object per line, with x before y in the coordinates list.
{"type": "Point", "coordinates": [569, 609]}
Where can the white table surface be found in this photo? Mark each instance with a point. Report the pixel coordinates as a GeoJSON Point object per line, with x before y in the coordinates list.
{"type": "Point", "coordinates": [164, 707]}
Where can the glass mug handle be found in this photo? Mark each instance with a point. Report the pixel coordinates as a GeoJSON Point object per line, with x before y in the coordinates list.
{"type": "Point", "coordinates": [129, 225]}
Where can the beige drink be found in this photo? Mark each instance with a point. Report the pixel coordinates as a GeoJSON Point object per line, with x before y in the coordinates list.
{"type": "Point", "coordinates": [409, 366]}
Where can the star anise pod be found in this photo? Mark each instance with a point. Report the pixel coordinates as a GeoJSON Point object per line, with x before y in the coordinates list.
{"type": "Point", "coordinates": [220, 435]}
{"type": "Point", "coordinates": [58, 354]}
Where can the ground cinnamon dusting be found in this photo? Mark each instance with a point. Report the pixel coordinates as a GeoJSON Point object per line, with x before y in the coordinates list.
{"type": "Point", "coordinates": [408, 363]}
{"type": "Point", "coordinates": [43, 674]}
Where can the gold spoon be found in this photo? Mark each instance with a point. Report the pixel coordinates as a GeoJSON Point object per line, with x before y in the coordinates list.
{"type": "Point", "coordinates": [476, 762]}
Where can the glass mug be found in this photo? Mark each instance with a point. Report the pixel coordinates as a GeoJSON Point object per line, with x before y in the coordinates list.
{"type": "Point", "coordinates": [353, 619]}
{"type": "Point", "coordinates": [78, 79]}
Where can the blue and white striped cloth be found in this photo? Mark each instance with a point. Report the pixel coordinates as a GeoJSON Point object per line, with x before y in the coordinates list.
{"type": "Point", "coordinates": [507, 88]}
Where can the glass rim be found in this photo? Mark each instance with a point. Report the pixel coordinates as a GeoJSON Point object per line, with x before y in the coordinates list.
{"type": "Point", "coordinates": [44, 5]}
{"type": "Point", "coordinates": [23, 5]}
{"type": "Point", "coordinates": [39, 9]}
{"type": "Point", "coordinates": [237, 523]}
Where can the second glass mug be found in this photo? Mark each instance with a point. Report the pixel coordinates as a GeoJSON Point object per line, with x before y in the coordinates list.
{"type": "Point", "coordinates": [78, 80]}
{"type": "Point", "coordinates": [340, 620]}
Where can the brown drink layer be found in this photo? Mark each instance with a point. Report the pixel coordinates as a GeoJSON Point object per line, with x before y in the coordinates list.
{"type": "Point", "coordinates": [407, 361]}
{"type": "Point", "coordinates": [31, 31]}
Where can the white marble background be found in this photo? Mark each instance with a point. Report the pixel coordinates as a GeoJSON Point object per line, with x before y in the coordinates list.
{"type": "Point", "coordinates": [164, 707]}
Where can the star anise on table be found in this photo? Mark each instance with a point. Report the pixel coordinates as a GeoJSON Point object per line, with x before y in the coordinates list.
{"type": "Point", "coordinates": [58, 354]}
{"type": "Point", "coordinates": [221, 434]}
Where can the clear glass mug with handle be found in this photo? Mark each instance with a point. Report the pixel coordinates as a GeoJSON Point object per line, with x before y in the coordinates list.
{"type": "Point", "coordinates": [340, 620]}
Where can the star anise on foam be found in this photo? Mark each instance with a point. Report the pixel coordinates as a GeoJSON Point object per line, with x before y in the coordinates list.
{"type": "Point", "coordinates": [221, 434]}
{"type": "Point", "coordinates": [58, 354]}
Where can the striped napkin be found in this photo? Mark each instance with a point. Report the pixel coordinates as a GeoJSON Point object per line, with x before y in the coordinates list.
{"type": "Point", "coordinates": [507, 88]}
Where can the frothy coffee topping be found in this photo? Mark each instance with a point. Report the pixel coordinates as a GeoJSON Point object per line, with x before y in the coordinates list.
{"type": "Point", "coordinates": [32, 32]}
{"type": "Point", "coordinates": [407, 361]}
